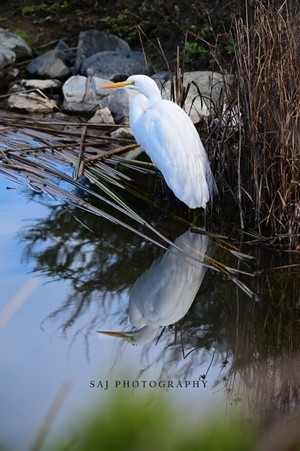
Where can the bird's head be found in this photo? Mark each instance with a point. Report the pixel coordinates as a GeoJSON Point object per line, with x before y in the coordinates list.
{"type": "Point", "coordinates": [141, 83]}
{"type": "Point", "coordinates": [135, 337]}
{"type": "Point", "coordinates": [128, 336]}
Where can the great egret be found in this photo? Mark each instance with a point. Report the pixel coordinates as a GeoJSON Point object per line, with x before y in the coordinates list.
{"type": "Point", "coordinates": [164, 293]}
{"type": "Point", "coordinates": [169, 137]}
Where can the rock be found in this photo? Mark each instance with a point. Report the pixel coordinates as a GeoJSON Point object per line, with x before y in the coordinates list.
{"type": "Point", "coordinates": [122, 132]}
{"type": "Point", "coordinates": [132, 154]}
{"type": "Point", "coordinates": [26, 95]}
{"type": "Point", "coordinates": [42, 85]}
{"type": "Point", "coordinates": [81, 94]}
{"type": "Point", "coordinates": [74, 89]}
{"type": "Point", "coordinates": [161, 78]}
{"type": "Point", "coordinates": [102, 116]}
{"type": "Point", "coordinates": [15, 43]}
{"type": "Point", "coordinates": [209, 84]}
{"type": "Point", "coordinates": [125, 133]}
{"type": "Point", "coordinates": [53, 64]}
{"type": "Point", "coordinates": [31, 102]}
{"type": "Point", "coordinates": [94, 41]}
{"type": "Point", "coordinates": [7, 76]}
{"type": "Point", "coordinates": [7, 57]}
{"type": "Point", "coordinates": [110, 64]}
{"type": "Point", "coordinates": [64, 52]}
{"type": "Point", "coordinates": [48, 65]}
{"type": "Point", "coordinates": [117, 100]}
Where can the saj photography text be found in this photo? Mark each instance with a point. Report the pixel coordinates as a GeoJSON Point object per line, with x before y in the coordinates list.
{"type": "Point", "coordinates": [104, 384]}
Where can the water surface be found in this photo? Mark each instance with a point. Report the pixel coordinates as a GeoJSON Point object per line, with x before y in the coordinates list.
{"type": "Point", "coordinates": [204, 339]}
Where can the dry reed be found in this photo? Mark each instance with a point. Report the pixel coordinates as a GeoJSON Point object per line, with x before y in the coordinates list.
{"type": "Point", "coordinates": [263, 170]}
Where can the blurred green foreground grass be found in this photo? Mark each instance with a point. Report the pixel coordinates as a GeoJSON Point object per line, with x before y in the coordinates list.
{"type": "Point", "coordinates": [135, 423]}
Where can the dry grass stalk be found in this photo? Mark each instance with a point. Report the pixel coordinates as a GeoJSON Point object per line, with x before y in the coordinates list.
{"type": "Point", "coordinates": [268, 71]}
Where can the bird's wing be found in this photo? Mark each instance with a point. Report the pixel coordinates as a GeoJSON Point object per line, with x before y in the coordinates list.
{"type": "Point", "coordinates": [164, 293]}
{"type": "Point", "coordinates": [170, 139]}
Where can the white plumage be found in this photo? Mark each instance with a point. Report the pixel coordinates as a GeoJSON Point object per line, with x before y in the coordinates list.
{"type": "Point", "coordinates": [165, 292]}
{"type": "Point", "coordinates": [169, 137]}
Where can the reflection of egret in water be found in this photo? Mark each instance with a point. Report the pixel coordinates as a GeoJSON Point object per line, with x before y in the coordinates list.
{"type": "Point", "coordinates": [165, 292]}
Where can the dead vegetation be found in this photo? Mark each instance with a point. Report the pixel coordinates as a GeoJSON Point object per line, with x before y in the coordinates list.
{"type": "Point", "coordinates": [259, 157]}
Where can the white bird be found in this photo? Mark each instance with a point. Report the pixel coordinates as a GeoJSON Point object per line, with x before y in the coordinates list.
{"type": "Point", "coordinates": [169, 137]}
{"type": "Point", "coordinates": [164, 293]}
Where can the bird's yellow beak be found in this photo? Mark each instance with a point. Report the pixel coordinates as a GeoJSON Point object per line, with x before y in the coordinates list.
{"type": "Point", "coordinates": [123, 335]}
{"type": "Point", "coordinates": [119, 84]}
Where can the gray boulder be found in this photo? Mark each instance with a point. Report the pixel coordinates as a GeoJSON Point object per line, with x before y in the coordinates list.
{"type": "Point", "coordinates": [29, 95]}
{"type": "Point", "coordinates": [102, 116]}
{"type": "Point", "coordinates": [15, 43]}
{"type": "Point", "coordinates": [94, 41]}
{"type": "Point", "coordinates": [32, 102]}
{"type": "Point", "coordinates": [83, 94]}
{"type": "Point", "coordinates": [66, 54]}
{"type": "Point", "coordinates": [11, 48]}
{"type": "Point", "coordinates": [7, 76]}
{"type": "Point", "coordinates": [30, 85]}
{"type": "Point", "coordinates": [203, 96]}
{"type": "Point", "coordinates": [48, 65]}
{"type": "Point", "coordinates": [110, 64]}
{"type": "Point", "coordinates": [117, 100]}
{"type": "Point", "coordinates": [56, 63]}
{"type": "Point", "coordinates": [7, 57]}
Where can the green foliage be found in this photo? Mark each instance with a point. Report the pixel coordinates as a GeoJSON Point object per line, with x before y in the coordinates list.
{"type": "Point", "coordinates": [45, 14]}
{"type": "Point", "coordinates": [214, 436]}
{"type": "Point", "coordinates": [127, 423]}
{"type": "Point", "coordinates": [170, 23]}
{"type": "Point", "coordinates": [29, 10]}
{"type": "Point", "coordinates": [60, 6]}
{"type": "Point", "coordinates": [207, 44]}
{"type": "Point", "coordinates": [121, 24]}
{"type": "Point", "coordinates": [23, 34]}
{"type": "Point", "coordinates": [195, 51]}
{"type": "Point", "coordinates": [231, 47]}
{"type": "Point", "coordinates": [134, 423]}
{"type": "Point", "coordinates": [56, 7]}
{"type": "Point", "coordinates": [167, 22]}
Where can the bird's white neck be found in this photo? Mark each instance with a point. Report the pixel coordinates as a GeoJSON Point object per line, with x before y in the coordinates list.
{"type": "Point", "coordinates": [140, 103]}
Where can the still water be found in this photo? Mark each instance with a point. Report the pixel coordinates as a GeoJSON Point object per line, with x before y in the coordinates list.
{"type": "Point", "coordinates": [203, 341]}
{"type": "Point", "coordinates": [59, 284]}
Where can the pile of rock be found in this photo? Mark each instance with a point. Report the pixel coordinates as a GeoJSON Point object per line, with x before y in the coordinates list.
{"type": "Point", "coordinates": [12, 48]}
{"type": "Point", "coordinates": [70, 81]}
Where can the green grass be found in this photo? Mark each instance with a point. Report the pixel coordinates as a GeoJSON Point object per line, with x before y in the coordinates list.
{"type": "Point", "coordinates": [134, 423]}
{"type": "Point", "coordinates": [23, 34]}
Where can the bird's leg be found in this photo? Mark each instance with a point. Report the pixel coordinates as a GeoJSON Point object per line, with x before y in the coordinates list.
{"type": "Point", "coordinates": [170, 201]}
{"type": "Point", "coordinates": [198, 217]}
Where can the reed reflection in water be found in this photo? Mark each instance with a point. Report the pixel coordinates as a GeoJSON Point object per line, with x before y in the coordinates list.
{"type": "Point", "coordinates": [253, 344]}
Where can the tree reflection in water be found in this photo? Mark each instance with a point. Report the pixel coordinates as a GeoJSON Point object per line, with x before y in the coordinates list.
{"type": "Point", "coordinates": [255, 343]}
{"type": "Point", "coordinates": [94, 260]}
